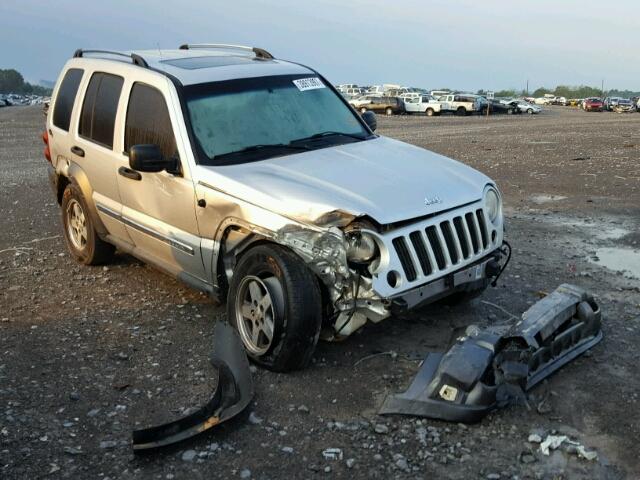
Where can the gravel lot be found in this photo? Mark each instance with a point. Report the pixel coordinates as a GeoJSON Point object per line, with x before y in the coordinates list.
{"type": "Point", "coordinates": [88, 354]}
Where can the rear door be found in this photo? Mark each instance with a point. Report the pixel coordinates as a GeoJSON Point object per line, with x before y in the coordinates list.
{"type": "Point", "coordinates": [59, 119]}
{"type": "Point", "coordinates": [159, 208]}
{"type": "Point", "coordinates": [93, 146]}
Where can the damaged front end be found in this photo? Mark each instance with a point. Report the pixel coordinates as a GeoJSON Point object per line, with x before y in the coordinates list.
{"type": "Point", "coordinates": [489, 368]}
{"type": "Point", "coordinates": [370, 271]}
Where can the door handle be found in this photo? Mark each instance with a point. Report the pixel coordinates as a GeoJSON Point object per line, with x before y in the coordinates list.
{"type": "Point", "coordinates": [78, 151]}
{"type": "Point", "coordinates": [127, 172]}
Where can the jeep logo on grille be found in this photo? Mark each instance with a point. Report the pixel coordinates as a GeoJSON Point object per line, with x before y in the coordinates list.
{"type": "Point", "coordinates": [432, 200]}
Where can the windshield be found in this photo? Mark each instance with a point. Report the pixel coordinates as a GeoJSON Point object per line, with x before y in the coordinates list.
{"type": "Point", "coordinates": [256, 118]}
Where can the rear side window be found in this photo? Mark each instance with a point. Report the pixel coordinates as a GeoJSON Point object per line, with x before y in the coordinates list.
{"type": "Point", "coordinates": [66, 97]}
{"type": "Point", "coordinates": [99, 109]}
{"type": "Point", "coordinates": [148, 121]}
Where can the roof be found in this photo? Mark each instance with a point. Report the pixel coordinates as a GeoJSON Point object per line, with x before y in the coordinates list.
{"type": "Point", "coordinates": [201, 65]}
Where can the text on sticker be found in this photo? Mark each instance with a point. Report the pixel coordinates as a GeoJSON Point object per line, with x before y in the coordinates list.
{"type": "Point", "coordinates": [311, 83]}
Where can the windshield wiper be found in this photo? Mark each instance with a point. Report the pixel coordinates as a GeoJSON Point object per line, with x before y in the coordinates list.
{"type": "Point", "coordinates": [329, 134]}
{"type": "Point", "coordinates": [265, 146]}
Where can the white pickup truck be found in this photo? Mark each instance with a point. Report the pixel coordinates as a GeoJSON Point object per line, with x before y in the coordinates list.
{"type": "Point", "coordinates": [461, 103]}
{"type": "Point", "coordinates": [422, 104]}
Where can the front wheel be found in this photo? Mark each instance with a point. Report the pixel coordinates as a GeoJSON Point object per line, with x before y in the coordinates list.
{"type": "Point", "coordinates": [362, 109]}
{"type": "Point", "coordinates": [275, 305]}
{"type": "Point", "coordinates": [389, 111]}
{"type": "Point", "coordinates": [530, 111]}
{"type": "Point", "coordinates": [82, 240]}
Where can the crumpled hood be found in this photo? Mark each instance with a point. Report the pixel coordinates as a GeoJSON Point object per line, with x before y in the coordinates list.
{"type": "Point", "coordinates": [386, 179]}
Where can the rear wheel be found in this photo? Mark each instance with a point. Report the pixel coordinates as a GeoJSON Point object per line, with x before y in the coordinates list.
{"type": "Point", "coordinates": [429, 112]}
{"type": "Point", "coordinates": [389, 111]}
{"type": "Point", "coordinates": [461, 111]}
{"type": "Point", "coordinates": [530, 111]}
{"type": "Point", "coordinates": [274, 303]}
{"type": "Point", "coordinates": [82, 240]}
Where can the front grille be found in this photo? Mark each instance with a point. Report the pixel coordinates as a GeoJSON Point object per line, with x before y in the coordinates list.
{"type": "Point", "coordinates": [433, 248]}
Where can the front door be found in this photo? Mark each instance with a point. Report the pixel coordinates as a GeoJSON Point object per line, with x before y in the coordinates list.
{"type": "Point", "coordinates": [158, 209]}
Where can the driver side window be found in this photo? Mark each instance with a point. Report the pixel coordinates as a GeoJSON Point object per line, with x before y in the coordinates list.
{"type": "Point", "coordinates": [148, 121]}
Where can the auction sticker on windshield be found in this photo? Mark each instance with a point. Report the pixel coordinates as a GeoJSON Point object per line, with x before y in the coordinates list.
{"type": "Point", "coordinates": [311, 83]}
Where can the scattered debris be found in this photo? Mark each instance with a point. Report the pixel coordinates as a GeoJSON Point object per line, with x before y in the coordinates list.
{"type": "Point", "coordinates": [534, 438]}
{"type": "Point", "coordinates": [490, 368]}
{"type": "Point", "coordinates": [552, 442]}
{"type": "Point", "coordinates": [391, 353]}
{"type": "Point", "coordinates": [232, 395]}
{"type": "Point", "coordinates": [332, 454]}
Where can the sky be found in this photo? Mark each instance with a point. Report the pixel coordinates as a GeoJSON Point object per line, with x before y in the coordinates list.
{"type": "Point", "coordinates": [466, 45]}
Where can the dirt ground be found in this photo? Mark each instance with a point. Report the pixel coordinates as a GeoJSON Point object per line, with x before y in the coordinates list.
{"type": "Point", "coordinates": [89, 354]}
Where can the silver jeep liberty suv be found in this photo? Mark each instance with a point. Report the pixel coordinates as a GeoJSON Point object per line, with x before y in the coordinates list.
{"type": "Point", "coordinates": [252, 178]}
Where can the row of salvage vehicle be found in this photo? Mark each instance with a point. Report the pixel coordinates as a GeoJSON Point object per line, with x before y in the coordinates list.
{"type": "Point", "coordinates": [455, 103]}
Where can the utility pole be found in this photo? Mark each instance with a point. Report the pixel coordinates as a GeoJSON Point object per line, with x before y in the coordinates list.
{"type": "Point", "coordinates": [527, 91]}
{"type": "Point", "coordinates": [602, 88]}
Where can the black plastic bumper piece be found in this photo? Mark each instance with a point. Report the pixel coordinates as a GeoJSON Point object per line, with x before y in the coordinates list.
{"type": "Point", "coordinates": [489, 368]}
{"type": "Point", "coordinates": [233, 393]}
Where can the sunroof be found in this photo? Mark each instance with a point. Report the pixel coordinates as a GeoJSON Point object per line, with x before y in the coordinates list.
{"type": "Point", "coordinates": [194, 63]}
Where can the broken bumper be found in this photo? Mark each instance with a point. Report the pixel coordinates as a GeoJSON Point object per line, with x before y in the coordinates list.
{"type": "Point", "coordinates": [233, 393]}
{"type": "Point", "coordinates": [490, 368]}
{"type": "Point", "coordinates": [473, 277]}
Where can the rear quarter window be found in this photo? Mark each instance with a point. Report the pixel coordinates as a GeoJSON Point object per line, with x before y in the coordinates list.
{"type": "Point", "coordinates": [66, 98]}
{"type": "Point", "coordinates": [99, 108]}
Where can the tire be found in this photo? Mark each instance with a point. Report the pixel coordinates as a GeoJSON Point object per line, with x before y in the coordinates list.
{"type": "Point", "coordinates": [430, 112]}
{"type": "Point", "coordinates": [363, 109]}
{"type": "Point", "coordinates": [80, 235]}
{"type": "Point", "coordinates": [530, 111]}
{"type": "Point", "coordinates": [461, 111]}
{"type": "Point", "coordinates": [510, 111]}
{"type": "Point", "coordinates": [278, 279]}
{"type": "Point", "coordinates": [388, 111]}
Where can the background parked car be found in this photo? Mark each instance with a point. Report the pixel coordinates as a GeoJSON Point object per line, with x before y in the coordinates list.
{"type": "Point", "coordinates": [500, 106]}
{"type": "Point", "coordinates": [462, 103]}
{"type": "Point", "coordinates": [388, 105]}
{"type": "Point", "coordinates": [422, 104]}
{"type": "Point", "coordinates": [592, 105]}
{"type": "Point", "coordinates": [623, 105]}
{"type": "Point", "coordinates": [530, 108]}
{"type": "Point", "coordinates": [610, 102]}
{"type": "Point", "coordinates": [361, 101]}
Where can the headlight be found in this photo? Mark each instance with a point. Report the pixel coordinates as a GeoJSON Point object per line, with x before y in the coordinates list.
{"type": "Point", "coordinates": [492, 204]}
{"type": "Point", "coordinates": [361, 246]}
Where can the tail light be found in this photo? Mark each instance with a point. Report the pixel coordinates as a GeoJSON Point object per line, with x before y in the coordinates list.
{"type": "Point", "coordinates": [47, 152]}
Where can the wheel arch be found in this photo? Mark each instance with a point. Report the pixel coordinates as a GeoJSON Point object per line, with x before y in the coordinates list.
{"type": "Point", "coordinates": [235, 237]}
{"type": "Point", "coordinates": [72, 173]}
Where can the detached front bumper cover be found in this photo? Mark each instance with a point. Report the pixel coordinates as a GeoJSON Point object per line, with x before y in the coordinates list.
{"type": "Point", "coordinates": [489, 368]}
{"type": "Point", "coordinates": [233, 393]}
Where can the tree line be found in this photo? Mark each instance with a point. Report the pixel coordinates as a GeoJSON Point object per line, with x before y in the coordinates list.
{"type": "Point", "coordinates": [12, 81]}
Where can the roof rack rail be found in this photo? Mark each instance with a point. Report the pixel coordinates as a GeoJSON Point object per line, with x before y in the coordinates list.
{"type": "Point", "coordinates": [258, 52]}
{"type": "Point", "coordinates": [134, 57]}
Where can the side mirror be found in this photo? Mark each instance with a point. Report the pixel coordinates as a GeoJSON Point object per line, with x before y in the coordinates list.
{"type": "Point", "coordinates": [148, 158]}
{"type": "Point", "coordinates": [370, 119]}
